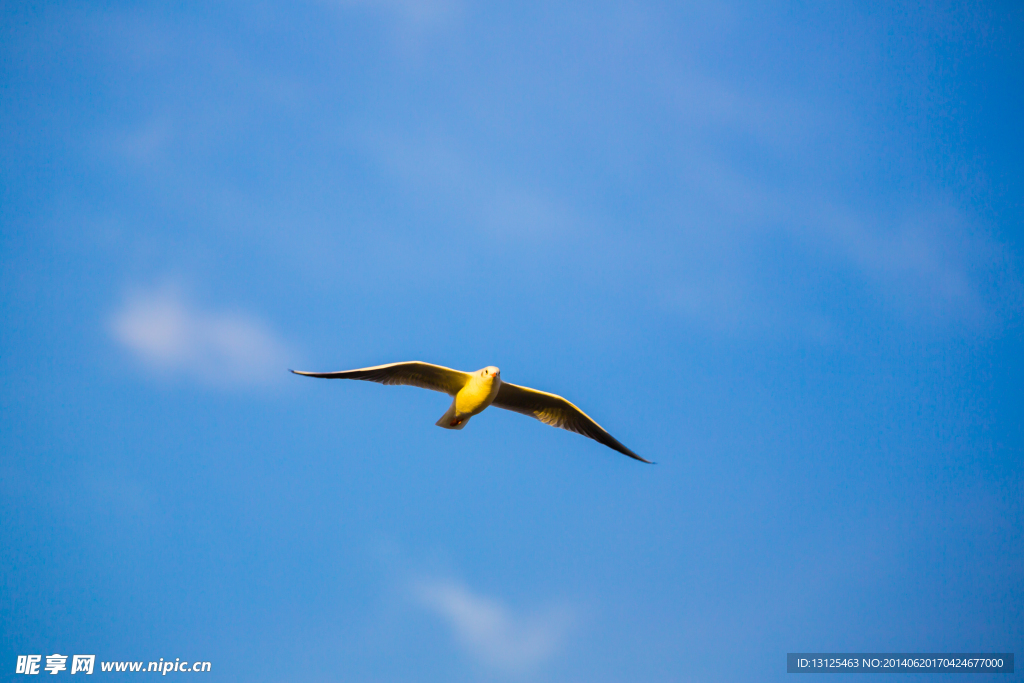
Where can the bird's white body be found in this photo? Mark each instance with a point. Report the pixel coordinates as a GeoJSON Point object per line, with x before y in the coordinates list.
{"type": "Point", "coordinates": [473, 398]}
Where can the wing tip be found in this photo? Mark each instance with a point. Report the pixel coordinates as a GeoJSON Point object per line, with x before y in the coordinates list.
{"type": "Point", "coordinates": [625, 451]}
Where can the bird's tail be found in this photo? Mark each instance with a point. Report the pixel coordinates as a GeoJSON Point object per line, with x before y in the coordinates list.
{"type": "Point", "coordinates": [450, 420]}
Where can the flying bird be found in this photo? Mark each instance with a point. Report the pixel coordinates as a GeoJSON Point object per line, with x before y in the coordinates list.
{"type": "Point", "coordinates": [472, 392]}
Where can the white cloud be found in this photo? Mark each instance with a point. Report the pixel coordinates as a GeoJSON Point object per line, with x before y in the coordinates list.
{"type": "Point", "coordinates": [490, 631]}
{"type": "Point", "coordinates": [170, 336]}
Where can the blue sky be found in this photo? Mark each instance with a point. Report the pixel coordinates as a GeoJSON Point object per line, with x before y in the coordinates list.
{"type": "Point", "coordinates": [774, 247]}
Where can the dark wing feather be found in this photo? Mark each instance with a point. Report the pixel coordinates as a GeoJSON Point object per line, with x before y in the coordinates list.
{"type": "Point", "coordinates": [556, 411]}
{"type": "Point", "coordinates": [413, 373]}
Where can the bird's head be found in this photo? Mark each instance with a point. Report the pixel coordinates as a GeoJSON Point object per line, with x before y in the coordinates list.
{"type": "Point", "coordinates": [490, 372]}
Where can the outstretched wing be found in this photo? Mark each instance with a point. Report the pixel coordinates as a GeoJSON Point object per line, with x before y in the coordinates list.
{"type": "Point", "coordinates": [414, 373]}
{"type": "Point", "coordinates": [556, 411]}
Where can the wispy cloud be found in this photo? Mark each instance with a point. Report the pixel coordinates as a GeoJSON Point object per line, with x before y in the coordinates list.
{"type": "Point", "coordinates": [448, 181]}
{"type": "Point", "coordinates": [924, 260]}
{"type": "Point", "coordinates": [169, 335]}
{"type": "Point", "coordinates": [928, 264]}
{"type": "Point", "coordinates": [419, 13]}
{"type": "Point", "coordinates": [413, 23]}
{"type": "Point", "coordinates": [146, 143]}
{"type": "Point", "coordinates": [490, 631]}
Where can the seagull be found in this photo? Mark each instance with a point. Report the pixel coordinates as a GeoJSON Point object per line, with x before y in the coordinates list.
{"type": "Point", "coordinates": [472, 392]}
